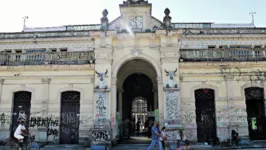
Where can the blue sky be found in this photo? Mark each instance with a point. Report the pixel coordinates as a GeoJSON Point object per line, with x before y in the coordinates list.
{"type": "Point", "coordinates": [65, 12]}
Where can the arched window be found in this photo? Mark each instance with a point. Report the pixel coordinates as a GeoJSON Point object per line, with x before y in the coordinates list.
{"type": "Point", "coordinates": [139, 105]}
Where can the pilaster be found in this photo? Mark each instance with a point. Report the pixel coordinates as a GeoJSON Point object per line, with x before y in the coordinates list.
{"type": "Point", "coordinates": [120, 102]}
{"type": "Point", "coordinates": [46, 93]}
{"type": "Point", "coordinates": [1, 87]}
{"type": "Point", "coordinates": [172, 108]}
{"type": "Point", "coordinates": [161, 99]}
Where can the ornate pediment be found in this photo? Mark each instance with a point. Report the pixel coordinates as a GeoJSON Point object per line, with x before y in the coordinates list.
{"type": "Point", "coordinates": [119, 24]}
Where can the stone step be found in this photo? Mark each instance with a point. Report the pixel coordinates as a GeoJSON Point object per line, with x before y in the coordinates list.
{"type": "Point", "coordinates": [133, 147]}
{"type": "Point", "coordinates": [63, 147]}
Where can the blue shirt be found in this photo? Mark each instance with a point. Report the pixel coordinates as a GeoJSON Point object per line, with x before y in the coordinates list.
{"type": "Point", "coordinates": [154, 136]}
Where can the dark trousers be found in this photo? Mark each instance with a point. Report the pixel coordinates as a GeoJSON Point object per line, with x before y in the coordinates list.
{"type": "Point", "coordinates": [163, 144]}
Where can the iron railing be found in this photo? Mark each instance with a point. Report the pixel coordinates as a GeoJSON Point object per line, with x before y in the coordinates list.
{"type": "Point", "coordinates": [228, 54]}
{"type": "Point", "coordinates": [60, 58]}
{"type": "Point", "coordinates": [34, 35]}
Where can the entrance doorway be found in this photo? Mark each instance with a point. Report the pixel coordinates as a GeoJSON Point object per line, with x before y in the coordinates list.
{"type": "Point", "coordinates": [256, 113]}
{"type": "Point", "coordinates": [69, 119]}
{"type": "Point", "coordinates": [21, 109]}
{"type": "Point", "coordinates": [135, 86]}
{"type": "Point", "coordinates": [140, 113]}
{"type": "Point", "coordinates": [137, 102]}
{"type": "Point", "coordinates": [205, 115]}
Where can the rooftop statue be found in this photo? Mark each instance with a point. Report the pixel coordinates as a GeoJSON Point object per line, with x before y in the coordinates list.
{"type": "Point", "coordinates": [104, 20]}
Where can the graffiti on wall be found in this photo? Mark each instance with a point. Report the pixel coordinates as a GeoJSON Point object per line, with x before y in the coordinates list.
{"type": "Point", "coordinates": [101, 131]}
{"type": "Point", "coordinates": [102, 105]}
{"type": "Point", "coordinates": [173, 106]}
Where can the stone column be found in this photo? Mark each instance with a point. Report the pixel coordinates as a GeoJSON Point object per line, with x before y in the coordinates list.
{"type": "Point", "coordinates": [103, 64]}
{"type": "Point", "coordinates": [42, 131]}
{"type": "Point", "coordinates": [46, 94]}
{"type": "Point", "coordinates": [120, 103]}
{"type": "Point", "coordinates": [160, 99]}
{"type": "Point", "coordinates": [230, 97]}
{"type": "Point", "coordinates": [155, 99]}
{"type": "Point", "coordinates": [237, 119]}
{"type": "Point", "coordinates": [172, 107]}
{"type": "Point", "coordinates": [1, 87]}
{"type": "Point", "coordinates": [114, 97]}
{"type": "Point", "coordinates": [113, 108]}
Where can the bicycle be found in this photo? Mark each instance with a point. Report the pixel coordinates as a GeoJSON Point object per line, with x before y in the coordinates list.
{"type": "Point", "coordinates": [13, 144]}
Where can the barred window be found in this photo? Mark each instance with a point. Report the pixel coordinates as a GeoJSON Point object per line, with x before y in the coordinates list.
{"type": "Point", "coordinates": [139, 105]}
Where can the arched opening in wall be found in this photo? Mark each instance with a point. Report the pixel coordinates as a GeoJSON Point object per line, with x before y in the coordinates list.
{"type": "Point", "coordinates": [21, 109]}
{"type": "Point", "coordinates": [69, 118]}
{"type": "Point", "coordinates": [140, 112]}
{"type": "Point", "coordinates": [256, 113]}
{"type": "Point", "coordinates": [136, 100]}
{"type": "Point", "coordinates": [205, 115]}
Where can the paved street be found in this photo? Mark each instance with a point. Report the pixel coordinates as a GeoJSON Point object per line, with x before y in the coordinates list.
{"type": "Point", "coordinates": [256, 145]}
{"type": "Point", "coordinates": [136, 147]}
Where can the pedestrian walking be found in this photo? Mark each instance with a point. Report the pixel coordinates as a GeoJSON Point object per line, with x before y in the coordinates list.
{"type": "Point", "coordinates": [163, 134]}
{"type": "Point", "coordinates": [155, 137]}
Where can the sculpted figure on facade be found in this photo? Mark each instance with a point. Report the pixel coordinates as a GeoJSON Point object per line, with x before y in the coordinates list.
{"type": "Point", "coordinates": [167, 19]}
{"type": "Point", "coordinates": [171, 83]}
{"type": "Point", "coordinates": [102, 83]}
{"type": "Point", "coordinates": [104, 20]}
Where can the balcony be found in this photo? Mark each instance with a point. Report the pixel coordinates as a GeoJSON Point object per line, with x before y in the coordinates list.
{"type": "Point", "coordinates": [41, 34]}
{"type": "Point", "coordinates": [46, 58]}
{"type": "Point", "coordinates": [222, 55]}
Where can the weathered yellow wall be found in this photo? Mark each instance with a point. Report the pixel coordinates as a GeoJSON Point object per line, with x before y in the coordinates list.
{"type": "Point", "coordinates": [62, 78]}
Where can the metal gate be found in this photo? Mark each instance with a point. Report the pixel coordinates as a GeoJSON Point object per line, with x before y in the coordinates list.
{"type": "Point", "coordinates": [205, 115]}
{"type": "Point", "coordinates": [21, 109]}
{"type": "Point", "coordinates": [69, 120]}
{"type": "Point", "coordinates": [256, 113]}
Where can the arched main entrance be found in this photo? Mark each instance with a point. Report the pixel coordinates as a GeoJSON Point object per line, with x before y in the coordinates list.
{"type": "Point", "coordinates": [256, 113]}
{"type": "Point", "coordinates": [137, 85]}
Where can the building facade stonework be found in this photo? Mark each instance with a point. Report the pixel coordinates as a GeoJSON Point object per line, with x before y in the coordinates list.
{"type": "Point", "coordinates": [65, 79]}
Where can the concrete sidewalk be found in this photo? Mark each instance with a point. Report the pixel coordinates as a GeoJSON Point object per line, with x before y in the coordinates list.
{"type": "Point", "coordinates": [256, 145]}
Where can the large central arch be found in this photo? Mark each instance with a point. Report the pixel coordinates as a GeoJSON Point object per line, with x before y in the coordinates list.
{"type": "Point", "coordinates": [119, 78]}
{"type": "Point", "coordinates": [130, 57]}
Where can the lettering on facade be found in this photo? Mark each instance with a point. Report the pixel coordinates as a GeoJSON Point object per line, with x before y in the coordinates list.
{"type": "Point", "coordinates": [43, 122]}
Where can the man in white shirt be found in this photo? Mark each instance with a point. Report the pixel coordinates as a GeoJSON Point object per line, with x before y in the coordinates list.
{"type": "Point", "coordinates": [21, 130]}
